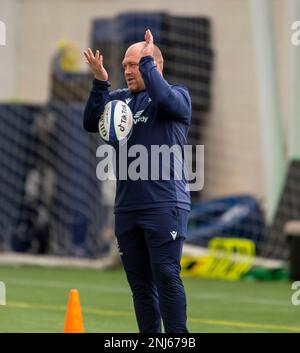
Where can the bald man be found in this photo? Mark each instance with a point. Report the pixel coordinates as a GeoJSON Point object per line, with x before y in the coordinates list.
{"type": "Point", "coordinates": [150, 215]}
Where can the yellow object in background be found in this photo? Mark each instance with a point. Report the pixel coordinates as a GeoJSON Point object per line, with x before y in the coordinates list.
{"type": "Point", "coordinates": [68, 56]}
{"type": "Point", "coordinates": [228, 259]}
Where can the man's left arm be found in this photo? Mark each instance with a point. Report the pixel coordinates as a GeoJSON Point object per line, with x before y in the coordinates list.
{"type": "Point", "coordinates": [175, 101]}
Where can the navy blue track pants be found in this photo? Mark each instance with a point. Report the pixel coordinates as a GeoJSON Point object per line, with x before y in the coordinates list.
{"type": "Point", "coordinates": [150, 244]}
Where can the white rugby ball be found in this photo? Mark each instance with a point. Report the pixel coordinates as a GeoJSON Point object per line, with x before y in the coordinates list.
{"type": "Point", "coordinates": [116, 123]}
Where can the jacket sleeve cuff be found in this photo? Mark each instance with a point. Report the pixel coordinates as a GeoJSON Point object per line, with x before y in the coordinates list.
{"type": "Point", "coordinates": [146, 63]}
{"type": "Point", "coordinates": [100, 86]}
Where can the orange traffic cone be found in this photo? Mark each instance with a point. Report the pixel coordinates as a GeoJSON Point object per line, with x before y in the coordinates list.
{"type": "Point", "coordinates": [73, 322]}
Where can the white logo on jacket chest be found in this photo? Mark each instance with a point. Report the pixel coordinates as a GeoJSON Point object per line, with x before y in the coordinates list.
{"type": "Point", "coordinates": [174, 234]}
{"type": "Point", "coordinates": [139, 118]}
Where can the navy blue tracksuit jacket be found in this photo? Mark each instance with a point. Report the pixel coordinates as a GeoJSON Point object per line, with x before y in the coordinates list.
{"type": "Point", "coordinates": [162, 116]}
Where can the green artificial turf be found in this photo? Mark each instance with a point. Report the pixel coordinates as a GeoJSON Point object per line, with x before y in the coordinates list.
{"type": "Point", "coordinates": [37, 301]}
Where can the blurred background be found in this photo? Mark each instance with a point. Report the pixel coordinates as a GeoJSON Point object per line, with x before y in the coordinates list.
{"type": "Point", "coordinates": [242, 70]}
{"type": "Point", "coordinates": [238, 61]}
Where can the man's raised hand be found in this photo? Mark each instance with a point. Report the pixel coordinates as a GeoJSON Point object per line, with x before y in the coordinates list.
{"type": "Point", "coordinates": [95, 63]}
{"type": "Point", "coordinates": [149, 46]}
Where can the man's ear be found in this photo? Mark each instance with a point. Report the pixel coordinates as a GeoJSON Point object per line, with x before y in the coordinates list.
{"type": "Point", "coordinates": [157, 66]}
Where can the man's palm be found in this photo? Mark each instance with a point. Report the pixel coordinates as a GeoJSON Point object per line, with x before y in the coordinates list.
{"type": "Point", "coordinates": [149, 46]}
{"type": "Point", "coordinates": [95, 63]}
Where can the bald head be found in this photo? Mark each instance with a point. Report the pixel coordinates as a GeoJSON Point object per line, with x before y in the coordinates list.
{"type": "Point", "coordinates": [136, 48]}
{"type": "Point", "coordinates": [134, 80]}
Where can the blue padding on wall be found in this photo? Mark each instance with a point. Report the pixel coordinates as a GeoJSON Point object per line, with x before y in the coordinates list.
{"type": "Point", "coordinates": [132, 26]}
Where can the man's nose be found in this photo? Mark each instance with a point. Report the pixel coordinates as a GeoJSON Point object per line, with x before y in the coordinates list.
{"type": "Point", "coordinates": [126, 71]}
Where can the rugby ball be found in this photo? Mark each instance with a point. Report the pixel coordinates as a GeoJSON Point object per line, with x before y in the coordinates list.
{"type": "Point", "coordinates": [116, 122]}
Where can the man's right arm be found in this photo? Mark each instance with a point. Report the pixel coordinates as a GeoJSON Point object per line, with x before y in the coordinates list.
{"type": "Point", "coordinates": [94, 108]}
{"type": "Point", "coordinates": [99, 95]}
